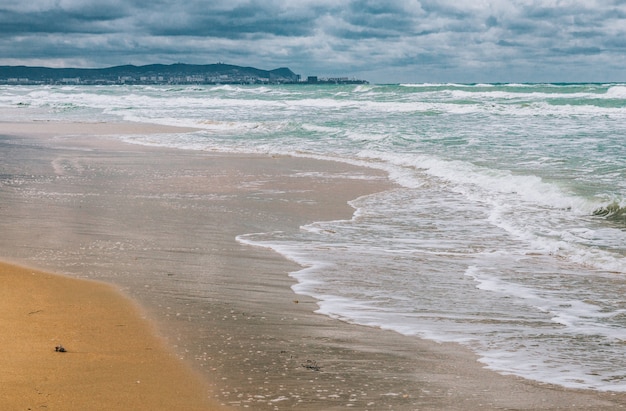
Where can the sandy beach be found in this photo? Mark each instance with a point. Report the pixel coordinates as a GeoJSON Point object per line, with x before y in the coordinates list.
{"type": "Point", "coordinates": [79, 345]}
{"type": "Point", "coordinates": [224, 324]}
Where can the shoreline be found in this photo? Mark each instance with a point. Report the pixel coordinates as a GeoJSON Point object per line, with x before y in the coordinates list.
{"type": "Point", "coordinates": [161, 224]}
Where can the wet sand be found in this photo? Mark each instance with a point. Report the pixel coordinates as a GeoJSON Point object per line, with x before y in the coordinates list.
{"type": "Point", "coordinates": [161, 225]}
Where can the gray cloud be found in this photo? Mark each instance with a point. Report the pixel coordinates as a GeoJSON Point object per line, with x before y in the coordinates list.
{"type": "Point", "coordinates": [401, 40]}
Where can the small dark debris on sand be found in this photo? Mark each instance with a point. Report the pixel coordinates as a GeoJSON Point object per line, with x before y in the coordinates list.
{"type": "Point", "coordinates": [312, 365]}
{"type": "Point", "coordinates": [59, 348]}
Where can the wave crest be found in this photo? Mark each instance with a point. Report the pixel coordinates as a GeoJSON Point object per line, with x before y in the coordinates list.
{"type": "Point", "coordinates": [613, 211]}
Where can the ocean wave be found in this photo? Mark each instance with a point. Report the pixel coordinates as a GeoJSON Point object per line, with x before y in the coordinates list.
{"type": "Point", "coordinates": [419, 85]}
{"type": "Point", "coordinates": [617, 91]}
{"type": "Point", "coordinates": [614, 211]}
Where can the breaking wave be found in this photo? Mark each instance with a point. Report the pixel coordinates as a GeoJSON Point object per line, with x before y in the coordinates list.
{"type": "Point", "coordinates": [614, 211]}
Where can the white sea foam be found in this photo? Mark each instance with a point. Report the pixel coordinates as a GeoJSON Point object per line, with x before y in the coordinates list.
{"type": "Point", "coordinates": [618, 92]}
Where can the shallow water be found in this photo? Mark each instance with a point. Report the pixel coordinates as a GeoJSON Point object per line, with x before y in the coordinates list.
{"type": "Point", "coordinates": [507, 233]}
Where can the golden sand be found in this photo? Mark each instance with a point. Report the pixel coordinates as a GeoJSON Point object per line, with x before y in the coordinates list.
{"type": "Point", "coordinates": [113, 358]}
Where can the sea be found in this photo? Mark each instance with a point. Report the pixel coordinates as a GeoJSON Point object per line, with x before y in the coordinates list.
{"type": "Point", "coordinates": [505, 230]}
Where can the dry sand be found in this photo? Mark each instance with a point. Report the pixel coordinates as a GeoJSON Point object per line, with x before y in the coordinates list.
{"type": "Point", "coordinates": [113, 359]}
{"type": "Point", "coordinates": [161, 224]}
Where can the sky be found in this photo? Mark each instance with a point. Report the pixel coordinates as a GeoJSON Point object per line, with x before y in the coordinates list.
{"type": "Point", "coordinates": [382, 41]}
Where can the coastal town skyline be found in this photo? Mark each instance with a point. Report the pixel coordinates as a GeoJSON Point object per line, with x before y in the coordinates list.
{"type": "Point", "coordinates": [179, 73]}
{"type": "Point", "coordinates": [392, 42]}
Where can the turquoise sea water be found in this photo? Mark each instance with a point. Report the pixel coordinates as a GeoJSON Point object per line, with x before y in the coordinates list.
{"type": "Point", "coordinates": [507, 232]}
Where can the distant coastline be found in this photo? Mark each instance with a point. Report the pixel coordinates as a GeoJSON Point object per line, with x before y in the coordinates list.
{"type": "Point", "coordinates": [160, 74]}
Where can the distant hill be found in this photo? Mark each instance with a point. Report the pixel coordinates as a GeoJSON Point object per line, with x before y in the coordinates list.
{"type": "Point", "coordinates": [149, 74]}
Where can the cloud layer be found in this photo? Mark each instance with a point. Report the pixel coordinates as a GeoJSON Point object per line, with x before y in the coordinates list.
{"type": "Point", "coordinates": [392, 41]}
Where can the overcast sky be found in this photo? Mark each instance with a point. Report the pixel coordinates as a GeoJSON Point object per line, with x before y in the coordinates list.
{"type": "Point", "coordinates": [383, 41]}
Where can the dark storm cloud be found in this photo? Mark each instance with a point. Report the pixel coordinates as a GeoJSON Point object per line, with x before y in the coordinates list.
{"type": "Point", "coordinates": [55, 18]}
{"type": "Point", "coordinates": [255, 17]}
{"type": "Point", "coordinates": [53, 21]}
{"type": "Point", "coordinates": [420, 40]}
